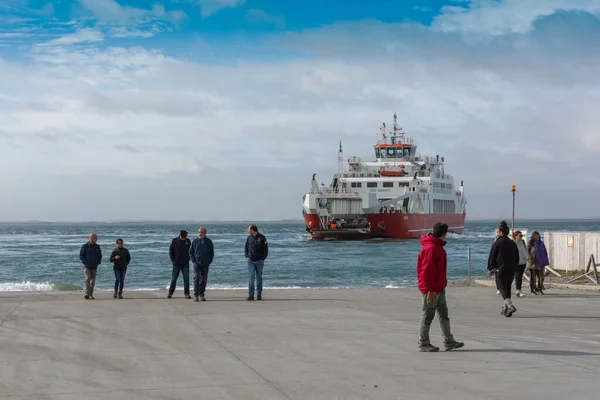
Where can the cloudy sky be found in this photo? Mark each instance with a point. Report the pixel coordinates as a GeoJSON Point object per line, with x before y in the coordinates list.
{"type": "Point", "coordinates": [223, 109]}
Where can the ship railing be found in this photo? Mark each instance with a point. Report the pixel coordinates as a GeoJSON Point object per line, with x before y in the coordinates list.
{"type": "Point", "coordinates": [330, 190]}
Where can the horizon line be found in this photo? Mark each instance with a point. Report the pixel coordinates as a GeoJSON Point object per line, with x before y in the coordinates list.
{"type": "Point", "coordinates": [150, 221]}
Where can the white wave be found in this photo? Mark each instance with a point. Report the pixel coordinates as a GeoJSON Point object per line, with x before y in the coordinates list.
{"type": "Point", "coordinates": [26, 287]}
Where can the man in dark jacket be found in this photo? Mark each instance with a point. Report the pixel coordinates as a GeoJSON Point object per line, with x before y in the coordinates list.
{"type": "Point", "coordinates": [504, 261]}
{"type": "Point", "coordinates": [256, 253]}
{"type": "Point", "coordinates": [202, 253]}
{"type": "Point", "coordinates": [431, 275]}
{"type": "Point", "coordinates": [120, 258]}
{"type": "Point", "coordinates": [90, 256]}
{"type": "Point", "coordinates": [179, 252]}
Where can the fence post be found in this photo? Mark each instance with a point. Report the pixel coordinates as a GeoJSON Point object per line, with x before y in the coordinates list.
{"type": "Point", "coordinates": [469, 262]}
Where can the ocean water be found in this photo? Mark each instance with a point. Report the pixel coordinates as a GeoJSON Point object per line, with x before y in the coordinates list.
{"type": "Point", "coordinates": [45, 257]}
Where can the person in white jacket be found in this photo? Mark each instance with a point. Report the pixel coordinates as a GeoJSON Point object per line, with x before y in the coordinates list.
{"type": "Point", "coordinates": [523, 257]}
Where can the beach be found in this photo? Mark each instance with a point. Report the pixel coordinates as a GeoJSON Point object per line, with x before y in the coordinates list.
{"type": "Point", "coordinates": [295, 344]}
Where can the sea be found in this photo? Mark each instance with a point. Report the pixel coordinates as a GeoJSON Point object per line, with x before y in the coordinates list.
{"type": "Point", "coordinates": [45, 256]}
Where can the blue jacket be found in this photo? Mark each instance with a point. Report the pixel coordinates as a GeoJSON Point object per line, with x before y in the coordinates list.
{"type": "Point", "coordinates": [202, 252]}
{"type": "Point", "coordinates": [256, 248]}
{"type": "Point", "coordinates": [90, 255]}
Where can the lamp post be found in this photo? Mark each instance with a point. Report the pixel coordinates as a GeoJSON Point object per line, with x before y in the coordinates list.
{"type": "Point", "coordinates": [514, 189]}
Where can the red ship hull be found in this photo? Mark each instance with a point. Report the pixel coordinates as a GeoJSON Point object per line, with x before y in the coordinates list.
{"type": "Point", "coordinates": [390, 226]}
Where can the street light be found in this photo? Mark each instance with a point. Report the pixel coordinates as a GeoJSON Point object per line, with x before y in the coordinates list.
{"type": "Point", "coordinates": [514, 189]}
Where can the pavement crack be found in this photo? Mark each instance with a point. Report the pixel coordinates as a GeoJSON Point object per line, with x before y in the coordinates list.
{"type": "Point", "coordinates": [11, 313]}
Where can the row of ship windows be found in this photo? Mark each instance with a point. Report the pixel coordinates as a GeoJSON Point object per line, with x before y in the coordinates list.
{"type": "Point", "coordinates": [374, 184]}
{"type": "Point", "coordinates": [438, 185]}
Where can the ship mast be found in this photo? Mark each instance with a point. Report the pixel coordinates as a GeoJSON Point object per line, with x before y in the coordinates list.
{"type": "Point", "coordinates": [340, 160]}
{"type": "Point", "coordinates": [397, 129]}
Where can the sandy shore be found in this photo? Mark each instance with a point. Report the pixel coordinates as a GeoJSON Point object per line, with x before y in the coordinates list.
{"type": "Point", "coordinates": [296, 344]}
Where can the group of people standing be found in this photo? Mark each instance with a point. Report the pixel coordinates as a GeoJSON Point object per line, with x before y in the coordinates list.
{"type": "Point", "coordinates": [200, 252]}
{"type": "Point", "coordinates": [508, 259]}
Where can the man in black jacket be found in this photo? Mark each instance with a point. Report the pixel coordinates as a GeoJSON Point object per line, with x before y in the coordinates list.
{"type": "Point", "coordinates": [256, 253]}
{"type": "Point", "coordinates": [179, 252]}
{"type": "Point", "coordinates": [504, 261]}
{"type": "Point", "coordinates": [90, 256]}
{"type": "Point", "coordinates": [120, 258]}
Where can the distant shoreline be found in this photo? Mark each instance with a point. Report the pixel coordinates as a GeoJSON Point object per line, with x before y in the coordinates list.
{"type": "Point", "coordinates": [140, 222]}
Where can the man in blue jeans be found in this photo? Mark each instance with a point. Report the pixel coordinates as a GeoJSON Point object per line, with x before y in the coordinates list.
{"type": "Point", "coordinates": [256, 253]}
{"type": "Point", "coordinates": [179, 252]}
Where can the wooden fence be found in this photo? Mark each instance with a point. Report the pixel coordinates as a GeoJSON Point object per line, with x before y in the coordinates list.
{"type": "Point", "coordinates": [570, 251]}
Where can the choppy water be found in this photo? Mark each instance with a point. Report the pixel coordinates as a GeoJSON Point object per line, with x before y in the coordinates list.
{"type": "Point", "coordinates": [35, 257]}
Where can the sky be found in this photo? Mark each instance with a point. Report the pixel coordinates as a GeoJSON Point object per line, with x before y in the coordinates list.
{"type": "Point", "coordinates": [223, 109]}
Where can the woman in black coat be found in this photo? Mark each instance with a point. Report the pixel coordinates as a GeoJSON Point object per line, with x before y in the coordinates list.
{"type": "Point", "coordinates": [503, 261]}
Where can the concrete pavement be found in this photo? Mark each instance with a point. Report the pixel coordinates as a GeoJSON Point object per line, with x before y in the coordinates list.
{"type": "Point", "coordinates": [296, 344]}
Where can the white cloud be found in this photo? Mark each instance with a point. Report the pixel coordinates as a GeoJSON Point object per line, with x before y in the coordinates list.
{"type": "Point", "coordinates": [507, 16]}
{"type": "Point", "coordinates": [113, 12]}
{"type": "Point", "coordinates": [92, 119]}
{"type": "Point", "coordinates": [210, 7]}
{"type": "Point", "coordinates": [256, 16]}
{"type": "Point", "coordinates": [81, 36]}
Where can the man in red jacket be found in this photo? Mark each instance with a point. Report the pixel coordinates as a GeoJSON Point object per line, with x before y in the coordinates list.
{"type": "Point", "coordinates": [431, 273]}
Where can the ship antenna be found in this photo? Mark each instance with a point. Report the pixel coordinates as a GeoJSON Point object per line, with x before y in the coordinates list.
{"type": "Point", "coordinates": [397, 129]}
{"type": "Point", "coordinates": [340, 159]}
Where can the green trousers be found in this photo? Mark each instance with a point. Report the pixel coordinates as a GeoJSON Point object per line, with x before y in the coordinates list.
{"type": "Point", "coordinates": [427, 317]}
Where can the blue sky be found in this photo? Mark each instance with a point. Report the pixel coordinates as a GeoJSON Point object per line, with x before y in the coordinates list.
{"type": "Point", "coordinates": [226, 100]}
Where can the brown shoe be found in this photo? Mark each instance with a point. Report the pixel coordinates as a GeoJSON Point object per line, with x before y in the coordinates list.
{"type": "Point", "coordinates": [250, 298]}
{"type": "Point", "coordinates": [115, 295]}
{"type": "Point", "coordinates": [169, 295]}
{"type": "Point", "coordinates": [120, 295]}
{"type": "Point", "coordinates": [196, 298]}
{"type": "Point", "coordinates": [187, 296]}
{"type": "Point", "coordinates": [87, 297]}
{"type": "Point", "coordinates": [259, 297]}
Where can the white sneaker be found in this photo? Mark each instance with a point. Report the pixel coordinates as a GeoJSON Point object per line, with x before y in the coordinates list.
{"type": "Point", "coordinates": [520, 294]}
{"type": "Point", "coordinates": [497, 292]}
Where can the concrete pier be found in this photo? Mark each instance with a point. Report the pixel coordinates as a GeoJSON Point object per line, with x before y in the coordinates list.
{"type": "Point", "coordinates": [296, 344]}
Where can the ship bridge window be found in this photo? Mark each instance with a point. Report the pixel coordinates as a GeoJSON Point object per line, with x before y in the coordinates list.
{"type": "Point", "coordinates": [378, 153]}
{"type": "Point", "coordinates": [356, 184]}
{"type": "Point", "coordinates": [388, 184]}
{"type": "Point", "coordinates": [371, 184]}
{"type": "Point", "coordinates": [406, 151]}
{"type": "Point", "coordinates": [391, 152]}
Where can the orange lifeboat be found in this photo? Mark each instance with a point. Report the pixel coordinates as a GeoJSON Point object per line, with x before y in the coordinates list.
{"type": "Point", "coordinates": [383, 172]}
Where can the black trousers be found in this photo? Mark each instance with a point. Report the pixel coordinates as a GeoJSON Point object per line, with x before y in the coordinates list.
{"type": "Point", "coordinates": [536, 281]}
{"type": "Point", "coordinates": [504, 279]}
{"type": "Point", "coordinates": [519, 276]}
{"type": "Point", "coordinates": [200, 279]}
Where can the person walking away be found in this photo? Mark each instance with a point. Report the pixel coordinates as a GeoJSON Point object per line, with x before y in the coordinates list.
{"type": "Point", "coordinates": [503, 261]}
{"type": "Point", "coordinates": [523, 257]}
{"type": "Point", "coordinates": [179, 252]}
{"type": "Point", "coordinates": [538, 259]}
{"type": "Point", "coordinates": [431, 275]}
{"type": "Point", "coordinates": [257, 250]}
{"type": "Point", "coordinates": [202, 253]}
{"type": "Point", "coordinates": [90, 256]}
{"type": "Point", "coordinates": [120, 258]}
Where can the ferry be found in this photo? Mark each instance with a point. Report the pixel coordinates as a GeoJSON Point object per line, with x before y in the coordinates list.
{"type": "Point", "coordinates": [398, 194]}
